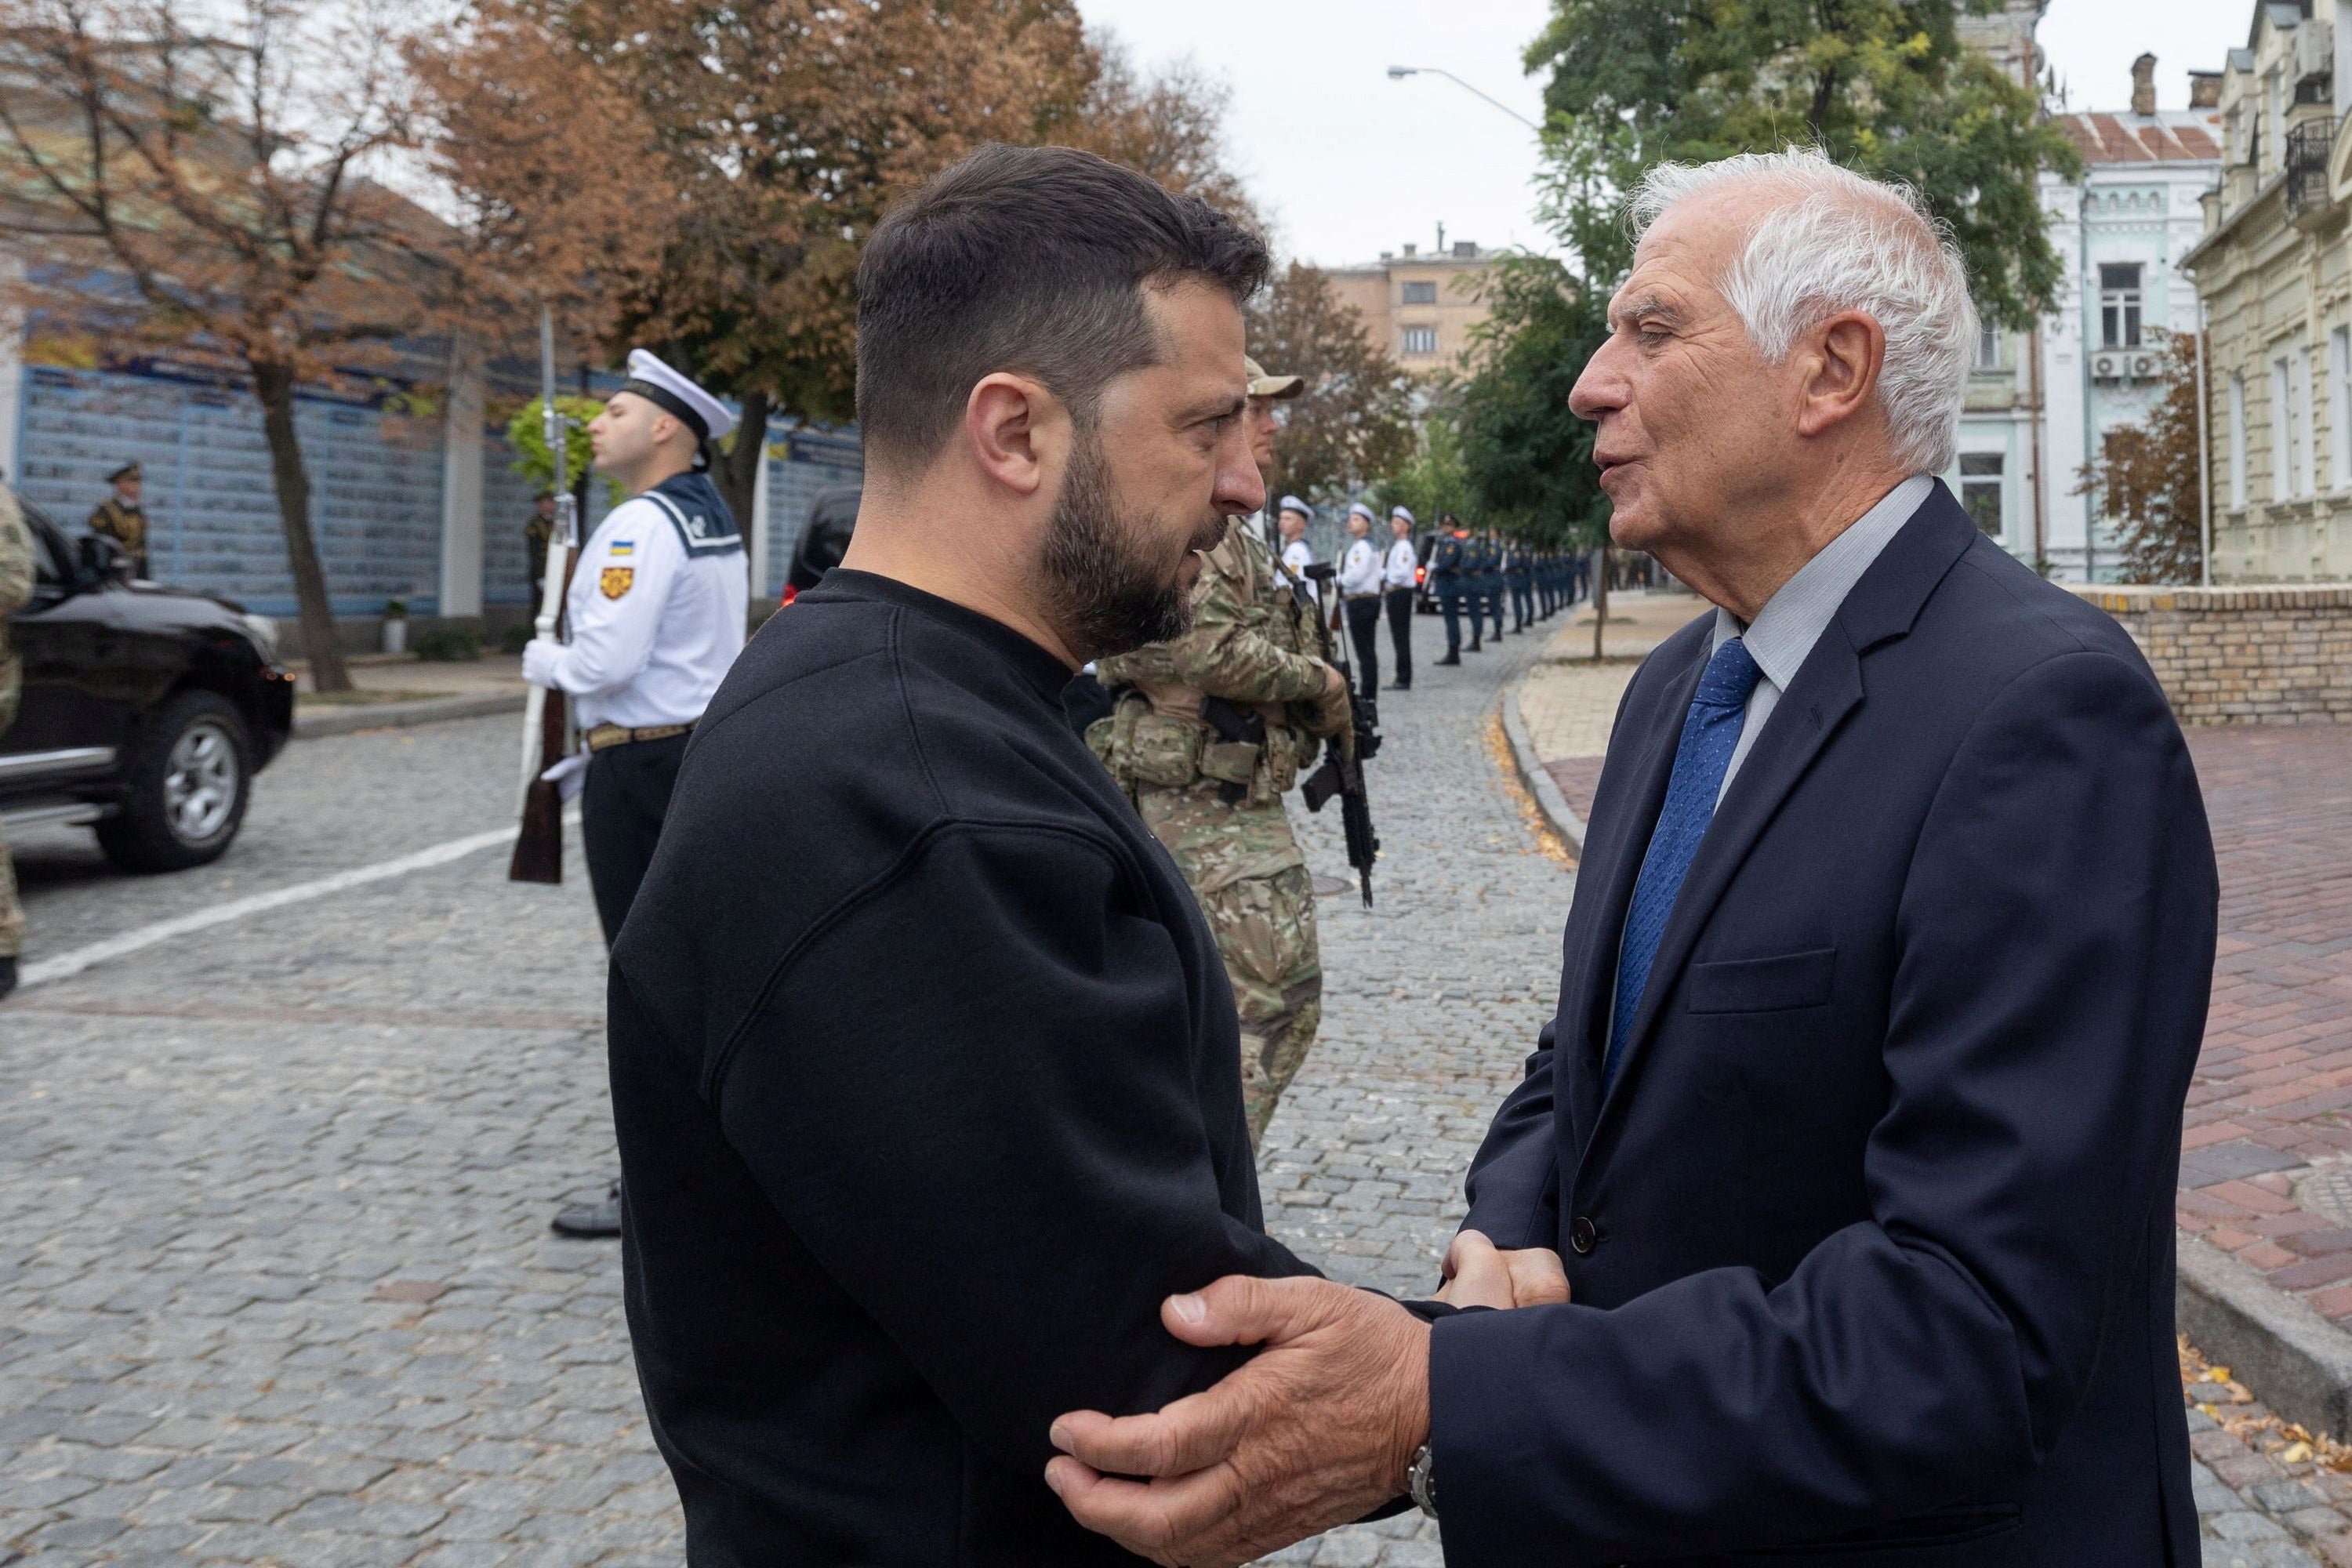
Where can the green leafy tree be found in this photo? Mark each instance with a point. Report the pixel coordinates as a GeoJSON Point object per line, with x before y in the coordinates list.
{"type": "Point", "coordinates": [1434, 482]}
{"type": "Point", "coordinates": [2147, 478]}
{"type": "Point", "coordinates": [1884, 87]}
{"type": "Point", "coordinates": [527, 433]}
{"type": "Point", "coordinates": [1527, 457]}
{"type": "Point", "coordinates": [1354, 421]}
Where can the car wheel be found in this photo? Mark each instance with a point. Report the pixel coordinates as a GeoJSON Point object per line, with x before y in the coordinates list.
{"type": "Point", "coordinates": [188, 787]}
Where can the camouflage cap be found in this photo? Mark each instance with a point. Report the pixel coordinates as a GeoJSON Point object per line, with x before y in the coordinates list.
{"type": "Point", "coordinates": [1263, 385]}
{"type": "Point", "coordinates": [128, 472]}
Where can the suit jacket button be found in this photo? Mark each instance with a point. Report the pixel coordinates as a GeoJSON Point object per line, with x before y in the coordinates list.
{"type": "Point", "coordinates": [1583, 1235]}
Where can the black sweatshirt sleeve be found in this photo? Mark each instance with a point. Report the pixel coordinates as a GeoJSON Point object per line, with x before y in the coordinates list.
{"type": "Point", "coordinates": [999, 1149]}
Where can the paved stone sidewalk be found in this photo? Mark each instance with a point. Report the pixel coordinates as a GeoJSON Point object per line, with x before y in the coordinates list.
{"type": "Point", "coordinates": [2267, 1169]}
{"type": "Point", "coordinates": [1568, 699]}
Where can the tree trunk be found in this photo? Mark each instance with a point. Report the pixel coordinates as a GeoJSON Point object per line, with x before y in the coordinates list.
{"type": "Point", "coordinates": [736, 472]}
{"type": "Point", "coordinates": [1600, 599]}
{"type": "Point", "coordinates": [1824, 94]}
{"type": "Point", "coordinates": [274, 385]}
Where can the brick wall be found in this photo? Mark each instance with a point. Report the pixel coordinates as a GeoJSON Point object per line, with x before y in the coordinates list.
{"type": "Point", "coordinates": [2244, 656]}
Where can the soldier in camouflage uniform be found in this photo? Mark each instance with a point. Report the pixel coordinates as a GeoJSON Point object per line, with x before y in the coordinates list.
{"type": "Point", "coordinates": [122, 518]}
{"type": "Point", "coordinates": [1211, 788]}
{"type": "Point", "coordinates": [15, 588]}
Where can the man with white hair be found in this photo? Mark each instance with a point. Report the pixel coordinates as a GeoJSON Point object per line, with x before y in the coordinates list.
{"type": "Point", "coordinates": [1887, 971]}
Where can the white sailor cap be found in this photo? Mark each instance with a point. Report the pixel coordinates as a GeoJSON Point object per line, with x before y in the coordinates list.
{"type": "Point", "coordinates": [1402, 513]}
{"type": "Point", "coordinates": [1361, 510]}
{"type": "Point", "coordinates": [674, 393]}
{"type": "Point", "coordinates": [1292, 503]}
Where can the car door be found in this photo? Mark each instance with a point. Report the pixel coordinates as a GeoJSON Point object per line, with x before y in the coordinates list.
{"type": "Point", "coordinates": [73, 712]}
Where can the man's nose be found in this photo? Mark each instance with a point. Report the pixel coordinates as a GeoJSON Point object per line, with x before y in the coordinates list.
{"type": "Point", "coordinates": [1602, 388]}
{"type": "Point", "coordinates": [1240, 489]}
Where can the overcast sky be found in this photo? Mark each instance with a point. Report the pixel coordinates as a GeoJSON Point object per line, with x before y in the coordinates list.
{"type": "Point", "coordinates": [1351, 164]}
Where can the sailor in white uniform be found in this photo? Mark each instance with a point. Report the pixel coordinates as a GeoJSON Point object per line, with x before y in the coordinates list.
{"type": "Point", "coordinates": [1400, 582]}
{"type": "Point", "coordinates": [655, 615]}
{"type": "Point", "coordinates": [1291, 519]}
{"type": "Point", "coordinates": [1359, 594]}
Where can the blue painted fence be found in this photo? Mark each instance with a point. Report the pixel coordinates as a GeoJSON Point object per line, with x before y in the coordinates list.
{"type": "Point", "coordinates": [377, 486]}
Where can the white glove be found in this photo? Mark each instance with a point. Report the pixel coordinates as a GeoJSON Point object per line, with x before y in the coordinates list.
{"type": "Point", "coordinates": [539, 660]}
{"type": "Point", "coordinates": [570, 776]}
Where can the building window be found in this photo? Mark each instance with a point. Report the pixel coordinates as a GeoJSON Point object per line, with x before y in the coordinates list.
{"type": "Point", "coordinates": [2275, 121]}
{"type": "Point", "coordinates": [2119, 304]}
{"type": "Point", "coordinates": [1980, 488]}
{"type": "Point", "coordinates": [2305, 436]}
{"type": "Point", "coordinates": [2238, 488]}
{"type": "Point", "coordinates": [1989, 346]}
{"type": "Point", "coordinates": [1421, 339]}
{"type": "Point", "coordinates": [2340, 407]}
{"type": "Point", "coordinates": [1421, 293]}
{"type": "Point", "coordinates": [2289, 414]}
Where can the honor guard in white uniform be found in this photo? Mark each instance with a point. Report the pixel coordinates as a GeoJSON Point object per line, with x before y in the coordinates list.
{"type": "Point", "coordinates": [1359, 595]}
{"type": "Point", "coordinates": [1297, 555]}
{"type": "Point", "coordinates": [1400, 581]}
{"type": "Point", "coordinates": [656, 614]}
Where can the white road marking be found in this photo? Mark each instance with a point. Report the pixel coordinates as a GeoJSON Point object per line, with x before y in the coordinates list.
{"type": "Point", "coordinates": [81, 958]}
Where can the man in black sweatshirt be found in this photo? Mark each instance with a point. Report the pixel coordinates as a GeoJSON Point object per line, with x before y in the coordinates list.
{"type": "Point", "coordinates": [924, 1067]}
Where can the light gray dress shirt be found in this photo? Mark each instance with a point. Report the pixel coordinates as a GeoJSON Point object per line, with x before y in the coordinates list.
{"type": "Point", "coordinates": [1782, 637]}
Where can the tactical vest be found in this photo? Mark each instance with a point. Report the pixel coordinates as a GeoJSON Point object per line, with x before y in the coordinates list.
{"type": "Point", "coordinates": [1157, 736]}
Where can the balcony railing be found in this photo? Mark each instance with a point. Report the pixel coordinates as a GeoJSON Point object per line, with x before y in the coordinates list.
{"type": "Point", "coordinates": [2308, 146]}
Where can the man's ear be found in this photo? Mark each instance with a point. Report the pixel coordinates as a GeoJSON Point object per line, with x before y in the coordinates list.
{"type": "Point", "coordinates": [1842, 360]}
{"type": "Point", "coordinates": [1015, 430]}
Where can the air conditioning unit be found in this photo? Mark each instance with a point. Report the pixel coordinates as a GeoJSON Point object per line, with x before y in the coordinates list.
{"type": "Point", "coordinates": [2106, 367]}
{"type": "Point", "coordinates": [2142, 367]}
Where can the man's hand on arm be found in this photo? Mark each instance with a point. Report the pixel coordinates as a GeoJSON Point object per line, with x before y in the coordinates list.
{"type": "Point", "coordinates": [1318, 1430]}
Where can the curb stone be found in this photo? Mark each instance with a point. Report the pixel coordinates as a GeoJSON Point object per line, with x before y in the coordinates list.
{"type": "Point", "coordinates": [1532, 774]}
{"type": "Point", "coordinates": [2298, 1362]}
{"type": "Point", "coordinates": [398, 715]}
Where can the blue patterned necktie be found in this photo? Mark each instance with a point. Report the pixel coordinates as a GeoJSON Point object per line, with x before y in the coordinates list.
{"type": "Point", "coordinates": [1710, 734]}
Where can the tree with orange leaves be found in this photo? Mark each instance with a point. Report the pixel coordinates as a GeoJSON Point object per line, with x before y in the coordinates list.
{"type": "Point", "coordinates": [200, 177]}
{"type": "Point", "coordinates": [769, 139]}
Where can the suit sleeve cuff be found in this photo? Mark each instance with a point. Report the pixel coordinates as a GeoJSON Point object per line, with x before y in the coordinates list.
{"type": "Point", "coordinates": [1491, 1377]}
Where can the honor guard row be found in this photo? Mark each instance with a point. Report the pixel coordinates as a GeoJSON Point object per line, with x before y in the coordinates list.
{"type": "Point", "coordinates": [655, 617]}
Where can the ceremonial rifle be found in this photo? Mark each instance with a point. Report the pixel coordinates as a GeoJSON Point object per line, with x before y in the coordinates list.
{"type": "Point", "coordinates": [546, 729]}
{"type": "Point", "coordinates": [1343, 773]}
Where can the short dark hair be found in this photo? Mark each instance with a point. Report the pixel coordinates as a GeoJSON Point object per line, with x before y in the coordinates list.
{"type": "Point", "coordinates": [1023, 258]}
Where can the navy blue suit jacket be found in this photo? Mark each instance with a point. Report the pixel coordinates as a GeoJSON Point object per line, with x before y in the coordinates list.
{"type": "Point", "coordinates": [1871, 1238]}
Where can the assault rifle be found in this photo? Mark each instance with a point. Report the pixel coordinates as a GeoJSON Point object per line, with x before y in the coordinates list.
{"type": "Point", "coordinates": [546, 729]}
{"type": "Point", "coordinates": [1343, 773]}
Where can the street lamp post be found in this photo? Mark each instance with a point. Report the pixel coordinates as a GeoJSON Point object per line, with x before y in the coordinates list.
{"type": "Point", "coordinates": [1398, 73]}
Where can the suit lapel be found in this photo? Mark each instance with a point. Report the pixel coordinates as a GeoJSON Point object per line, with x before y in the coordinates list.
{"type": "Point", "coordinates": [1613, 848]}
{"type": "Point", "coordinates": [1827, 689]}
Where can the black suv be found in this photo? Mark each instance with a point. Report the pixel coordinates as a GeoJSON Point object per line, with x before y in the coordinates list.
{"type": "Point", "coordinates": [146, 711]}
{"type": "Point", "coordinates": [824, 539]}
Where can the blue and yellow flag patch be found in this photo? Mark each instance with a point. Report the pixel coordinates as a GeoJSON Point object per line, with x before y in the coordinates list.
{"type": "Point", "coordinates": [622, 547]}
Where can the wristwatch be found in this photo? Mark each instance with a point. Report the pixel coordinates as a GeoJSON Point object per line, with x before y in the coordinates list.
{"type": "Point", "coordinates": [1421, 1480]}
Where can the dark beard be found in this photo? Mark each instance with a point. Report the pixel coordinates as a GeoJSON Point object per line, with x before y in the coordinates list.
{"type": "Point", "coordinates": [1105, 597]}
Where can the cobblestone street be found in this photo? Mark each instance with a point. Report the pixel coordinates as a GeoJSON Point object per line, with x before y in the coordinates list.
{"type": "Point", "coordinates": [275, 1285]}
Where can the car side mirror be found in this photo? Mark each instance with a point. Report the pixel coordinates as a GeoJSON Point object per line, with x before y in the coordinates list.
{"type": "Point", "coordinates": [100, 559]}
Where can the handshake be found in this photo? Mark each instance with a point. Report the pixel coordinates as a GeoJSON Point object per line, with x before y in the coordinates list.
{"type": "Point", "coordinates": [1319, 1429]}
